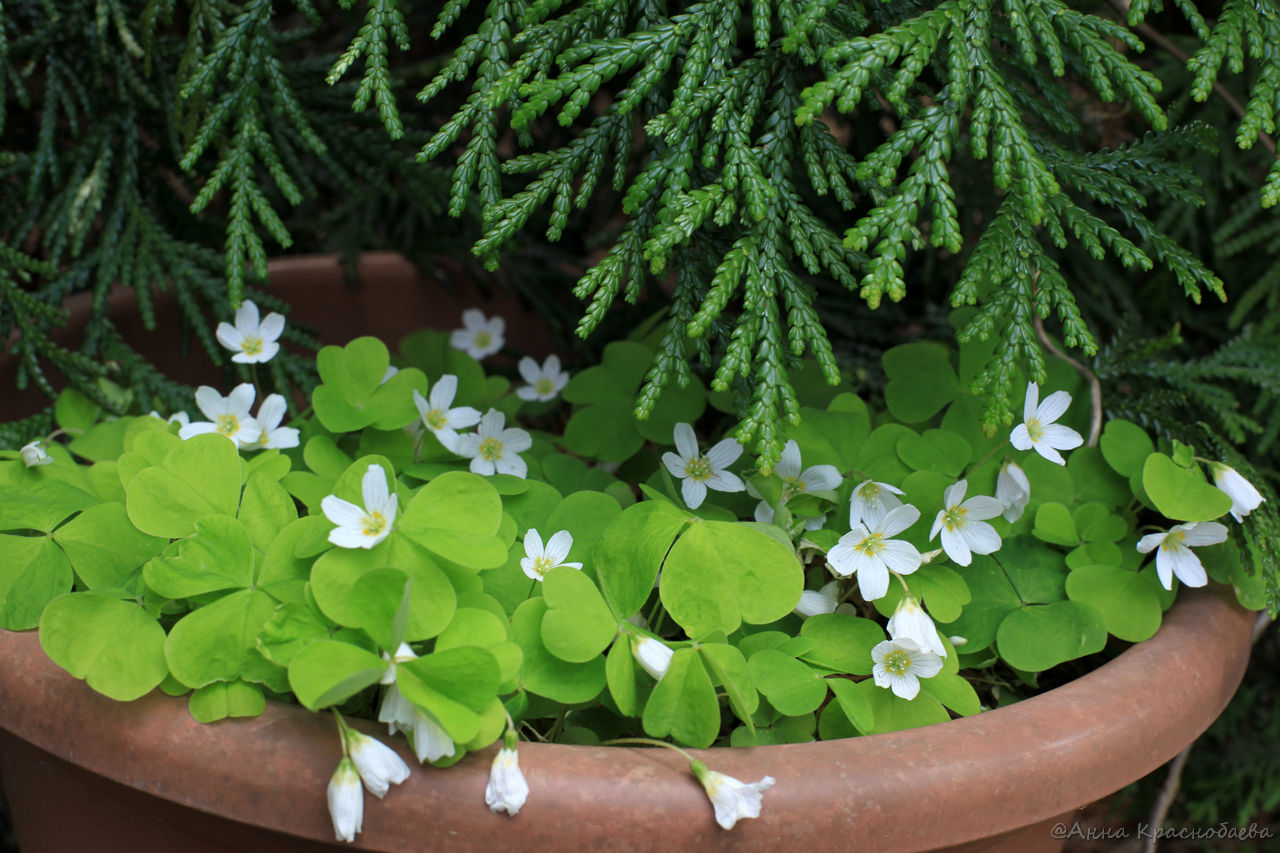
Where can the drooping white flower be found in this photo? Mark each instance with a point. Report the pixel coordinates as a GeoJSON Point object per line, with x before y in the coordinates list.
{"type": "Point", "coordinates": [429, 739]}
{"type": "Point", "coordinates": [1013, 490]}
{"type": "Point", "coordinates": [732, 798]}
{"type": "Point", "coordinates": [796, 482]}
{"type": "Point", "coordinates": [270, 414]}
{"type": "Point", "coordinates": [378, 764]}
{"type": "Point", "coordinates": [1244, 497]}
{"type": "Point", "coordinates": [910, 622]}
{"type": "Point", "coordinates": [1175, 556]}
{"type": "Point", "coordinates": [440, 415]}
{"type": "Point", "coordinates": [507, 789]}
{"type": "Point", "coordinates": [227, 415]}
{"type": "Point", "coordinates": [362, 527]}
{"type": "Point", "coordinates": [1039, 430]}
{"type": "Point", "coordinates": [653, 655]}
{"type": "Point", "coordinates": [816, 602]}
{"type": "Point", "coordinates": [699, 472]}
{"type": "Point", "coordinates": [545, 380]}
{"type": "Point", "coordinates": [252, 341]}
{"type": "Point", "coordinates": [346, 801]}
{"type": "Point", "coordinates": [963, 525]}
{"type": "Point", "coordinates": [33, 454]}
{"type": "Point", "coordinates": [494, 450]}
{"type": "Point", "coordinates": [900, 664]}
{"type": "Point", "coordinates": [539, 559]}
{"type": "Point", "coordinates": [870, 502]}
{"type": "Point", "coordinates": [871, 553]}
{"type": "Point", "coordinates": [480, 335]}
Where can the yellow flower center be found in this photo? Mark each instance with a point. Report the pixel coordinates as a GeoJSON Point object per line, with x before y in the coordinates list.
{"type": "Point", "coordinates": [491, 449]}
{"type": "Point", "coordinates": [374, 523]}
{"type": "Point", "coordinates": [795, 484]}
{"type": "Point", "coordinates": [954, 517]}
{"type": "Point", "coordinates": [870, 491]}
{"type": "Point", "coordinates": [698, 468]}
{"type": "Point", "coordinates": [1173, 540]}
{"type": "Point", "coordinates": [544, 386]}
{"type": "Point", "coordinates": [898, 662]}
{"type": "Point", "coordinates": [542, 565]}
{"type": "Point", "coordinates": [435, 419]}
{"type": "Point", "coordinates": [228, 425]}
{"type": "Point", "coordinates": [871, 545]}
{"type": "Point", "coordinates": [482, 339]}
{"type": "Point", "coordinates": [1034, 430]}
{"type": "Point", "coordinates": [252, 345]}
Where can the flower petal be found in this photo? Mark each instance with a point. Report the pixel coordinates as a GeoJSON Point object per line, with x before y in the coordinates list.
{"type": "Point", "coordinates": [693, 491]}
{"type": "Point", "coordinates": [1061, 437]}
{"type": "Point", "coordinates": [897, 520]}
{"type": "Point", "coordinates": [821, 478]}
{"type": "Point", "coordinates": [724, 453]}
{"type": "Point", "coordinates": [1053, 407]}
{"type": "Point", "coordinates": [1030, 403]}
{"type": "Point", "coordinates": [443, 392]}
{"type": "Point", "coordinates": [1020, 438]}
{"type": "Point", "coordinates": [788, 467]}
{"type": "Point", "coordinates": [240, 400]}
{"type": "Point", "coordinates": [1205, 533]}
{"type": "Point", "coordinates": [980, 537]}
{"type": "Point", "coordinates": [686, 441]}
{"type": "Point", "coordinates": [901, 557]}
{"type": "Point", "coordinates": [529, 370]}
{"type": "Point", "coordinates": [725, 481]}
{"type": "Point", "coordinates": [558, 546]}
{"type": "Point", "coordinates": [271, 327]}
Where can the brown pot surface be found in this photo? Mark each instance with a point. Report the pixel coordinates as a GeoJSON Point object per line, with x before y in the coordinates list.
{"type": "Point", "coordinates": [393, 299]}
{"type": "Point", "coordinates": [952, 783]}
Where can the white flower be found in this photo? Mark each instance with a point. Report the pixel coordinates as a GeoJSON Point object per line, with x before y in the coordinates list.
{"type": "Point", "coordinates": [251, 341]}
{"type": "Point", "coordinates": [871, 500]}
{"type": "Point", "coordinates": [540, 559]}
{"type": "Point", "coordinates": [698, 472]}
{"type": "Point", "coordinates": [1038, 429]}
{"type": "Point", "coordinates": [732, 798]}
{"type": "Point", "coordinates": [817, 602]}
{"type": "Point", "coordinates": [1244, 497]}
{"type": "Point", "coordinates": [33, 454]}
{"type": "Point", "coordinates": [437, 416]}
{"type": "Point", "coordinates": [1175, 556]}
{"type": "Point", "coordinates": [653, 655]}
{"type": "Point", "coordinates": [404, 653]}
{"type": "Point", "coordinates": [270, 414]}
{"type": "Point", "coordinates": [377, 763]}
{"type": "Point", "coordinates": [346, 801]}
{"type": "Point", "coordinates": [872, 554]}
{"type": "Point", "coordinates": [507, 789]}
{"type": "Point", "coordinates": [794, 482]}
{"type": "Point", "coordinates": [1013, 490]}
{"type": "Point", "coordinates": [899, 665]}
{"type": "Point", "coordinates": [227, 415]}
{"type": "Point", "coordinates": [494, 450]}
{"type": "Point", "coordinates": [430, 741]}
{"type": "Point", "coordinates": [180, 418]}
{"type": "Point", "coordinates": [910, 622]}
{"type": "Point", "coordinates": [963, 525]}
{"type": "Point", "coordinates": [545, 381]}
{"type": "Point", "coordinates": [362, 527]}
{"type": "Point", "coordinates": [480, 335]}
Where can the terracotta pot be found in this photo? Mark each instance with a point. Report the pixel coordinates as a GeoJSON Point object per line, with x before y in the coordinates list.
{"type": "Point", "coordinates": [82, 772]}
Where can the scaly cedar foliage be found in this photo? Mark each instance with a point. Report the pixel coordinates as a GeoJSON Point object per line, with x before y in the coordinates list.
{"type": "Point", "coordinates": [718, 124]}
{"type": "Point", "coordinates": [164, 145]}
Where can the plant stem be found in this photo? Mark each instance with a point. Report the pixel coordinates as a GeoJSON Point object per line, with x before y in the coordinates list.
{"type": "Point", "coordinates": [645, 741]}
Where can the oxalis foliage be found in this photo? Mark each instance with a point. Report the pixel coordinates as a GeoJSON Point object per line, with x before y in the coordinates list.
{"type": "Point", "coordinates": [755, 146]}
{"type": "Point", "coordinates": [573, 573]}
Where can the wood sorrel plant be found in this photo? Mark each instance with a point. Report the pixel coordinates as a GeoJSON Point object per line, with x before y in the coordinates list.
{"type": "Point", "coordinates": [379, 557]}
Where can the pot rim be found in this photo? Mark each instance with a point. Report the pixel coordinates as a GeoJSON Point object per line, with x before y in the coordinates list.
{"type": "Point", "coordinates": [911, 790]}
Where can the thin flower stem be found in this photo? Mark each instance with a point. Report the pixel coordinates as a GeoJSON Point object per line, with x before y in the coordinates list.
{"type": "Point", "coordinates": [342, 731]}
{"type": "Point", "coordinates": [992, 452]}
{"type": "Point", "coordinates": [645, 741]}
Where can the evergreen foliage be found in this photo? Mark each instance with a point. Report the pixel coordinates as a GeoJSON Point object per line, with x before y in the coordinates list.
{"type": "Point", "coordinates": [736, 110]}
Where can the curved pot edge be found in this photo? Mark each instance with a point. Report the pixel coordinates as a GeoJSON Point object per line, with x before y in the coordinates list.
{"type": "Point", "coordinates": [1049, 744]}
